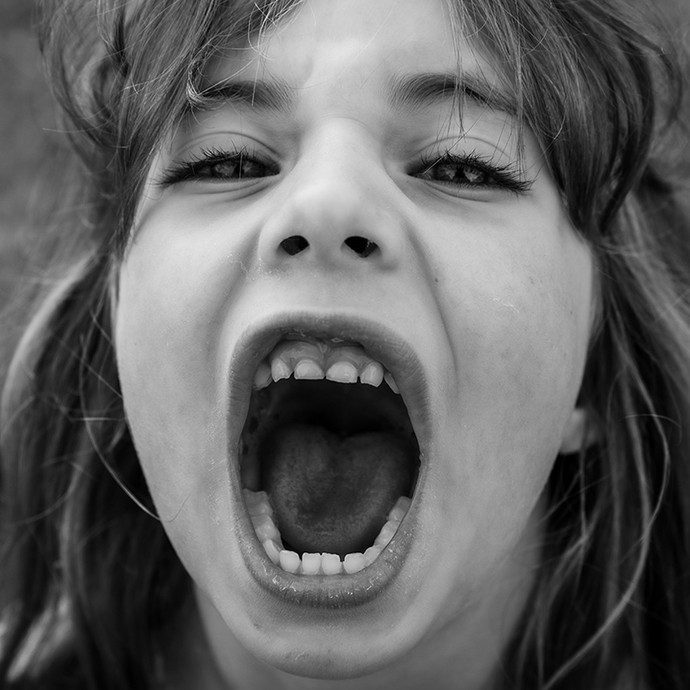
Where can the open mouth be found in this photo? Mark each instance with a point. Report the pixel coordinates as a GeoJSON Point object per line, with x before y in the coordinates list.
{"type": "Point", "coordinates": [328, 456]}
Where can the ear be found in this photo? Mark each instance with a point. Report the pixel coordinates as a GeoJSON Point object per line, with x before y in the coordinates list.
{"type": "Point", "coordinates": [580, 432]}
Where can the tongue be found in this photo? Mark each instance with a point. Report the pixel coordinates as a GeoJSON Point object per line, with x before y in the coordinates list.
{"type": "Point", "coordinates": [332, 493]}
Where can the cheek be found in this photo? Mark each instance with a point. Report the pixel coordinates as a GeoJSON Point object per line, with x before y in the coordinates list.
{"type": "Point", "coordinates": [170, 388]}
{"type": "Point", "coordinates": [519, 318]}
{"type": "Point", "coordinates": [521, 314]}
{"type": "Point", "coordinates": [529, 340]}
{"type": "Point", "coordinates": [172, 301]}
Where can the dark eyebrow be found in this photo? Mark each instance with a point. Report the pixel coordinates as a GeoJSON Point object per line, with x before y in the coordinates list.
{"type": "Point", "coordinates": [407, 91]}
{"type": "Point", "coordinates": [274, 94]}
{"type": "Point", "coordinates": [419, 90]}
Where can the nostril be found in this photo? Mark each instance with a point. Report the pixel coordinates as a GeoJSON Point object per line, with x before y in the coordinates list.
{"type": "Point", "coordinates": [294, 244]}
{"type": "Point", "coordinates": [361, 246]}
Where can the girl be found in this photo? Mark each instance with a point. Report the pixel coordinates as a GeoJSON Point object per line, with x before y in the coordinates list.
{"type": "Point", "coordinates": [372, 367]}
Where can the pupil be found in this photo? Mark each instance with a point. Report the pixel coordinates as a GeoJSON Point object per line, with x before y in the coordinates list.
{"type": "Point", "coordinates": [227, 169]}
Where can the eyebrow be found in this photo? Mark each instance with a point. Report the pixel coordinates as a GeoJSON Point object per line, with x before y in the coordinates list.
{"type": "Point", "coordinates": [406, 91]}
{"type": "Point", "coordinates": [275, 94]}
{"type": "Point", "coordinates": [430, 88]}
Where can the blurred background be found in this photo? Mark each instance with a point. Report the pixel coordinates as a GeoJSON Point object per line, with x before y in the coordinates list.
{"type": "Point", "coordinates": [30, 157]}
{"type": "Point", "coordinates": [27, 140]}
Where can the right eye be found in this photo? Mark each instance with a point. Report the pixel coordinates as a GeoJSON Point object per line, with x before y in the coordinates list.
{"type": "Point", "coordinates": [218, 165]}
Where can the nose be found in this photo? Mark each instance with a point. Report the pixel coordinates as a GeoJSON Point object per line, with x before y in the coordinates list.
{"type": "Point", "coordinates": [337, 211]}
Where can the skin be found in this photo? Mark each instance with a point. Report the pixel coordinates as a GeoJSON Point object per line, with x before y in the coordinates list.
{"type": "Point", "coordinates": [492, 288]}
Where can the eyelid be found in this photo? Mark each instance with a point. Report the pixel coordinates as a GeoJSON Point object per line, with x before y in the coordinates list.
{"type": "Point", "coordinates": [222, 136]}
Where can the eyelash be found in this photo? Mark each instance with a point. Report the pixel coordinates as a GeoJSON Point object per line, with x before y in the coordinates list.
{"type": "Point", "coordinates": [491, 176]}
{"type": "Point", "coordinates": [505, 177]}
{"type": "Point", "coordinates": [204, 167]}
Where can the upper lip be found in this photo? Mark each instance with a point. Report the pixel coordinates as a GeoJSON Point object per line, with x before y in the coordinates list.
{"type": "Point", "coordinates": [381, 343]}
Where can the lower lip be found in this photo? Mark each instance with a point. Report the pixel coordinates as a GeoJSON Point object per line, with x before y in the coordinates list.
{"type": "Point", "coordinates": [323, 591]}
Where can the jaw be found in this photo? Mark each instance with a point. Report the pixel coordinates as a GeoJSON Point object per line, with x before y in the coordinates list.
{"type": "Point", "coordinates": [348, 623]}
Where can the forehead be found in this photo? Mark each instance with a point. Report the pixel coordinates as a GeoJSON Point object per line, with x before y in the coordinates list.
{"type": "Point", "coordinates": [390, 30]}
{"type": "Point", "coordinates": [353, 45]}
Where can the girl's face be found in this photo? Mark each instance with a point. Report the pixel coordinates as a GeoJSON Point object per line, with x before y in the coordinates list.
{"type": "Point", "coordinates": [344, 211]}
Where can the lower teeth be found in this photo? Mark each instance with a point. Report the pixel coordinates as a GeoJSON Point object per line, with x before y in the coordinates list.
{"type": "Point", "coordinates": [261, 514]}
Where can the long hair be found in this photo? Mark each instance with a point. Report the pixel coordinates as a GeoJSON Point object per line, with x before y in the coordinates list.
{"type": "Point", "coordinates": [90, 587]}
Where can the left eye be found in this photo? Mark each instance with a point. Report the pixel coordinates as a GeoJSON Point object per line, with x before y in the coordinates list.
{"type": "Point", "coordinates": [470, 172]}
{"type": "Point", "coordinates": [456, 173]}
{"type": "Point", "coordinates": [222, 166]}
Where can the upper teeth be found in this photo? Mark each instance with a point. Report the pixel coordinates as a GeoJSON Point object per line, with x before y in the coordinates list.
{"type": "Point", "coordinates": [309, 360]}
